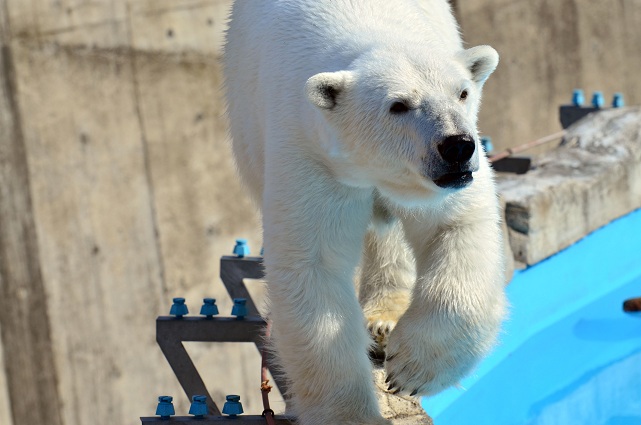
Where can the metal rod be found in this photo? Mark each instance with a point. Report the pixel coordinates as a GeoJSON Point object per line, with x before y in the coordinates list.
{"type": "Point", "coordinates": [232, 272]}
{"type": "Point", "coordinates": [216, 329]}
{"type": "Point", "coordinates": [528, 145]}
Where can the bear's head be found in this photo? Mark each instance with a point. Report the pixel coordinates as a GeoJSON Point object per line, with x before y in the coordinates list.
{"type": "Point", "coordinates": [404, 121]}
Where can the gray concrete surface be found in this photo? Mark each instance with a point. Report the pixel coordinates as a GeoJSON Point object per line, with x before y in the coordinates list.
{"type": "Point", "coordinates": [123, 180]}
{"type": "Point", "coordinates": [593, 178]}
{"type": "Point", "coordinates": [401, 410]}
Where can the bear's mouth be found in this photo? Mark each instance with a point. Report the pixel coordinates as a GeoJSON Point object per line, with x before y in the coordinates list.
{"type": "Point", "coordinates": [454, 180]}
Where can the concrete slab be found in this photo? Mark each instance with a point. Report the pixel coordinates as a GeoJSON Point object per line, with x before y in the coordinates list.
{"type": "Point", "coordinates": [401, 410]}
{"type": "Point", "coordinates": [591, 179]}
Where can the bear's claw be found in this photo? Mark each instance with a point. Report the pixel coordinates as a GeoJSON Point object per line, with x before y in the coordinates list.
{"type": "Point", "coordinates": [418, 364]}
{"type": "Point", "coordinates": [382, 313]}
{"type": "Point", "coordinates": [380, 330]}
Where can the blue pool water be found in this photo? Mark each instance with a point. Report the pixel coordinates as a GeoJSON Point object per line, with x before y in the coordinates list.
{"type": "Point", "coordinates": [568, 354]}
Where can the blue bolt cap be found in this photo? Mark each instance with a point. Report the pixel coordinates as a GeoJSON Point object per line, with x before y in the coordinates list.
{"type": "Point", "coordinates": [179, 309]}
{"type": "Point", "coordinates": [198, 406]}
{"type": "Point", "coordinates": [577, 97]}
{"type": "Point", "coordinates": [233, 406]}
{"type": "Point", "coordinates": [239, 309]}
{"type": "Point", "coordinates": [165, 408]}
{"type": "Point", "coordinates": [486, 142]}
{"type": "Point", "coordinates": [617, 101]}
{"type": "Point", "coordinates": [209, 307]}
{"type": "Point", "coordinates": [241, 249]}
{"type": "Point", "coordinates": [597, 99]}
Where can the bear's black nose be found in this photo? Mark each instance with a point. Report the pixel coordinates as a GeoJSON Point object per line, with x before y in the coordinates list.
{"type": "Point", "coordinates": [457, 149]}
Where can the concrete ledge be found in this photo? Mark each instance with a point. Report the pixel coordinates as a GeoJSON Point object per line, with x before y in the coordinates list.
{"type": "Point", "coordinates": [592, 178]}
{"type": "Point", "coordinates": [401, 410]}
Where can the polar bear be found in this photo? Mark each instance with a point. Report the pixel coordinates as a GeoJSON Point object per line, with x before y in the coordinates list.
{"type": "Point", "coordinates": [354, 128]}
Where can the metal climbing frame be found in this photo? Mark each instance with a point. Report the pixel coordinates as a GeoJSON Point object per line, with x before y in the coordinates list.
{"type": "Point", "coordinates": [172, 331]}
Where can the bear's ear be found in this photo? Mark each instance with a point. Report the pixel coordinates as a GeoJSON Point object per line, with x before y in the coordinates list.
{"type": "Point", "coordinates": [481, 61]}
{"type": "Point", "coordinates": [324, 89]}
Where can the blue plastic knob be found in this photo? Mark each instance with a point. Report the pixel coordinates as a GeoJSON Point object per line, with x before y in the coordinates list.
{"type": "Point", "coordinates": [577, 97]}
{"type": "Point", "coordinates": [239, 309]}
{"type": "Point", "coordinates": [209, 308]}
{"type": "Point", "coordinates": [597, 99]}
{"type": "Point", "coordinates": [617, 101]}
{"type": "Point", "coordinates": [233, 406]}
{"type": "Point", "coordinates": [241, 249]}
{"type": "Point", "coordinates": [198, 406]}
{"type": "Point", "coordinates": [486, 142]}
{"type": "Point", "coordinates": [179, 309]}
{"type": "Point", "coordinates": [165, 408]}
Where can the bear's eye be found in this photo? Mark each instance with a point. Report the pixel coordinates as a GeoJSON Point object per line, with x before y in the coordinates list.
{"type": "Point", "coordinates": [399, 108]}
{"type": "Point", "coordinates": [463, 95]}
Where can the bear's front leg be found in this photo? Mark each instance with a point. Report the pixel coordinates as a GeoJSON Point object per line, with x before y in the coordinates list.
{"type": "Point", "coordinates": [387, 276]}
{"type": "Point", "coordinates": [458, 301]}
{"type": "Point", "coordinates": [313, 234]}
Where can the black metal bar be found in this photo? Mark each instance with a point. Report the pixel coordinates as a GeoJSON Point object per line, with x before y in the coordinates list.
{"type": "Point", "coordinates": [513, 164]}
{"type": "Point", "coordinates": [171, 332]}
{"type": "Point", "coordinates": [216, 329]}
{"type": "Point", "coordinates": [186, 372]}
{"type": "Point", "coordinates": [232, 272]}
{"type": "Point", "coordinates": [216, 420]}
{"type": "Point", "coordinates": [569, 114]}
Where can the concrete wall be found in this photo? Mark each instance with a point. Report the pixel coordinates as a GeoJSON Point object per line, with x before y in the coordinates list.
{"type": "Point", "coordinates": [548, 48]}
{"type": "Point", "coordinates": [118, 193]}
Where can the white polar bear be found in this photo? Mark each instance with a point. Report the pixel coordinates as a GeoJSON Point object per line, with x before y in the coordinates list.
{"type": "Point", "coordinates": [355, 120]}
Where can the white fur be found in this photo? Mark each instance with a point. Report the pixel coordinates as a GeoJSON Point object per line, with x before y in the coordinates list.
{"type": "Point", "coordinates": [309, 85]}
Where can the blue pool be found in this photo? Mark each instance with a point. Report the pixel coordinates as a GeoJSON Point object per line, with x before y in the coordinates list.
{"type": "Point", "coordinates": [568, 354]}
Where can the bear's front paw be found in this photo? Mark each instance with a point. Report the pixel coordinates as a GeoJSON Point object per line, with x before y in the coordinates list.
{"type": "Point", "coordinates": [380, 326]}
{"type": "Point", "coordinates": [381, 315]}
{"type": "Point", "coordinates": [426, 355]}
